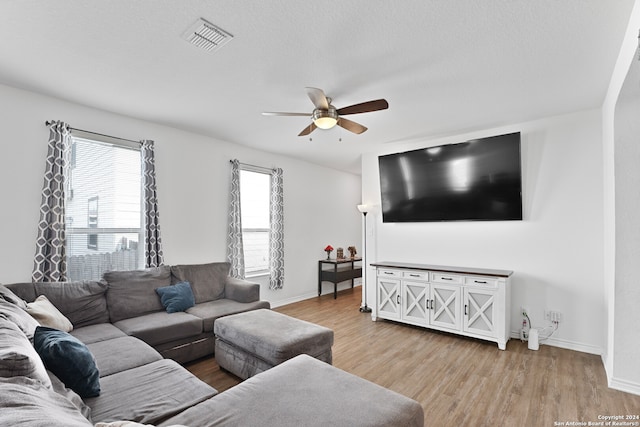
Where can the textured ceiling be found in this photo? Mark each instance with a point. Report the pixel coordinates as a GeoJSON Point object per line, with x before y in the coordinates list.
{"type": "Point", "coordinates": [444, 66]}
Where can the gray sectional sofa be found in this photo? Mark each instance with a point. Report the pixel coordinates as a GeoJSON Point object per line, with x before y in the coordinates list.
{"type": "Point", "coordinates": [136, 346]}
{"type": "Point", "coordinates": [128, 301]}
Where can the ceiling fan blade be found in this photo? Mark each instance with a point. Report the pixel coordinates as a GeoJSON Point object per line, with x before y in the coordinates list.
{"type": "Point", "coordinates": [318, 98]}
{"type": "Point", "coordinates": [277, 113]}
{"type": "Point", "coordinates": [306, 131]}
{"type": "Point", "coordinates": [351, 126]}
{"type": "Point", "coordinates": [364, 107]}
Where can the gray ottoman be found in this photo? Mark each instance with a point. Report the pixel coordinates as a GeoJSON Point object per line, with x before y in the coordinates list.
{"type": "Point", "coordinates": [252, 342]}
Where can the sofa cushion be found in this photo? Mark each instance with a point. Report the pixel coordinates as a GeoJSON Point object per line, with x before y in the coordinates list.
{"type": "Point", "coordinates": [94, 333]}
{"type": "Point", "coordinates": [207, 280]}
{"type": "Point", "coordinates": [212, 310]}
{"type": "Point", "coordinates": [9, 296]}
{"type": "Point", "coordinates": [152, 392]}
{"type": "Point", "coordinates": [161, 327]}
{"type": "Point", "coordinates": [83, 303]}
{"type": "Point", "coordinates": [39, 406]}
{"type": "Point", "coordinates": [17, 355]}
{"type": "Point", "coordinates": [176, 298]}
{"type": "Point", "coordinates": [132, 293]}
{"type": "Point", "coordinates": [309, 393]}
{"type": "Point", "coordinates": [69, 359]}
{"type": "Point", "coordinates": [120, 354]}
{"type": "Point", "coordinates": [20, 317]}
{"type": "Point", "coordinates": [48, 315]}
{"type": "Point", "coordinates": [70, 395]}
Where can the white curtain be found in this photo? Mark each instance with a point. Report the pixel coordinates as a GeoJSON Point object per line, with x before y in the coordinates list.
{"type": "Point", "coordinates": [50, 260]}
{"type": "Point", "coordinates": [276, 235]}
{"type": "Point", "coordinates": [235, 250]}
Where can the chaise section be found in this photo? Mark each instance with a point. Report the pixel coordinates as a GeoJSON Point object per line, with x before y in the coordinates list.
{"type": "Point", "coordinates": [304, 392]}
{"type": "Point", "coordinates": [148, 394]}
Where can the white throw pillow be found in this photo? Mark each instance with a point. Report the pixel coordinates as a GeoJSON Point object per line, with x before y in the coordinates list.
{"type": "Point", "coordinates": [48, 315]}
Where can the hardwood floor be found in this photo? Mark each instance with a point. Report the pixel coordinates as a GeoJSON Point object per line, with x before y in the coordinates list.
{"type": "Point", "coordinates": [458, 381]}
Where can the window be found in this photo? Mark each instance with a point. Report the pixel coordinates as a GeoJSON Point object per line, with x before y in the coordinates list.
{"type": "Point", "coordinates": [103, 208]}
{"type": "Point", "coordinates": [255, 190]}
{"type": "Point", "coordinates": [92, 221]}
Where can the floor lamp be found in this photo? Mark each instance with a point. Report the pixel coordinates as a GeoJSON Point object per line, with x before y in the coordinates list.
{"type": "Point", "coordinates": [364, 308]}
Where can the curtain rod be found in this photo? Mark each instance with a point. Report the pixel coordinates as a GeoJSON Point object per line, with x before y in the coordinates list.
{"type": "Point", "coordinates": [255, 166]}
{"type": "Point", "coordinates": [48, 123]}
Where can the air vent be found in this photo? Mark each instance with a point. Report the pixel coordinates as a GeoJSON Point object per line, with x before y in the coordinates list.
{"type": "Point", "coordinates": [206, 36]}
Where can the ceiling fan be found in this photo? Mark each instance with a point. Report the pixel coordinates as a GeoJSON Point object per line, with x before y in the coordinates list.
{"type": "Point", "coordinates": [326, 116]}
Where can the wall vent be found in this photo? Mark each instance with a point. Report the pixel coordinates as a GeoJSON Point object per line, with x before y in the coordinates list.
{"type": "Point", "coordinates": [207, 36]}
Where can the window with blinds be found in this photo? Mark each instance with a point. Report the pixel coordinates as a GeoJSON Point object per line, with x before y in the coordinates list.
{"type": "Point", "coordinates": [255, 189]}
{"type": "Point", "coordinates": [103, 212]}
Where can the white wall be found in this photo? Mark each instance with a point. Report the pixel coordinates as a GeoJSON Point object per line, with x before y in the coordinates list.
{"type": "Point", "coordinates": [621, 246]}
{"type": "Point", "coordinates": [555, 252]}
{"type": "Point", "coordinates": [193, 186]}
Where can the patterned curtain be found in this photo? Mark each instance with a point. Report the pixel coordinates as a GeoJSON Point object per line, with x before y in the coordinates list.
{"type": "Point", "coordinates": [50, 261]}
{"type": "Point", "coordinates": [152, 243]}
{"type": "Point", "coordinates": [235, 250]}
{"type": "Point", "coordinates": [276, 236]}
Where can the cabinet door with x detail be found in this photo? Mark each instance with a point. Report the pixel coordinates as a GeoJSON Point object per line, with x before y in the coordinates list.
{"type": "Point", "coordinates": [415, 302]}
{"type": "Point", "coordinates": [388, 298]}
{"type": "Point", "coordinates": [445, 306]}
{"type": "Point", "coordinates": [480, 311]}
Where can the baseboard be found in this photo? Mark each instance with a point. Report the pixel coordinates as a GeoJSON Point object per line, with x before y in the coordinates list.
{"type": "Point", "coordinates": [626, 386]}
{"type": "Point", "coordinates": [303, 297]}
{"type": "Point", "coordinates": [569, 345]}
{"type": "Point", "coordinates": [291, 300]}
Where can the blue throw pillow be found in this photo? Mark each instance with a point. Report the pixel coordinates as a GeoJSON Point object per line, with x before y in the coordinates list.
{"type": "Point", "coordinates": [69, 359]}
{"type": "Point", "coordinates": [178, 297]}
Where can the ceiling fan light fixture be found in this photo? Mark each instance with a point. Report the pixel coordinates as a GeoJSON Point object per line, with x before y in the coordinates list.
{"type": "Point", "coordinates": [325, 119]}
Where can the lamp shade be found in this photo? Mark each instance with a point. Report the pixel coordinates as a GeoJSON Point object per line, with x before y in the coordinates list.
{"type": "Point", "coordinates": [363, 208]}
{"type": "Point", "coordinates": [325, 119]}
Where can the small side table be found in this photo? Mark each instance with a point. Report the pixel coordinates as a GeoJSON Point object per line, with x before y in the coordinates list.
{"type": "Point", "coordinates": [341, 271]}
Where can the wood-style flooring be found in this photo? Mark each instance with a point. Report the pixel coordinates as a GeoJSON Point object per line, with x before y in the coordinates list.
{"type": "Point", "coordinates": [458, 381]}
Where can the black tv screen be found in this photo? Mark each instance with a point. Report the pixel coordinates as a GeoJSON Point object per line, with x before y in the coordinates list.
{"type": "Point", "coordinates": [477, 180]}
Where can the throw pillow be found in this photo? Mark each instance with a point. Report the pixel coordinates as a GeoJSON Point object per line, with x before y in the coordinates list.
{"type": "Point", "coordinates": [48, 315]}
{"type": "Point", "coordinates": [176, 298]}
{"type": "Point", "coordinates": [69, 359]}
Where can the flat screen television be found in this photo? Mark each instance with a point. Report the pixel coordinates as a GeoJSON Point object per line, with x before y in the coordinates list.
{"type": "Point", "coordinates": [477, 180]}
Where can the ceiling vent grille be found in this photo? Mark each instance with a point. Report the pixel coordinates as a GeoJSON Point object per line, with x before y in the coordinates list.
{"type": "Point", "coordinates": [207, 36]}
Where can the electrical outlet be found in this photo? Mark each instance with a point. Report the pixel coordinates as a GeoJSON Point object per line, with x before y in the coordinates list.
{"type": "Point", "coordinates": [524, 309]}
{"type": "Point", "coordinates": [553, 316]}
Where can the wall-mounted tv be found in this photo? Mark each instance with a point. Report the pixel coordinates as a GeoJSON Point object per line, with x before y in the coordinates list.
{"type": "Point", "coordinates": [477, 180]}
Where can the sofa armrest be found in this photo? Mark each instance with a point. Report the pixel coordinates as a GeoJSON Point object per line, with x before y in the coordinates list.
{"type": "Point", "coordinates": [241, 290]}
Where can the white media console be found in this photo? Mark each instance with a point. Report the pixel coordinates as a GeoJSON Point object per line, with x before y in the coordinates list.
{"type": "Point", "coordinates": [466, 301]}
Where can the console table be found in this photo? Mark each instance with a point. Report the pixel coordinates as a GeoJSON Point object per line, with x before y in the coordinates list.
{"type": "Point", "coordinates": [474, 302]}
{"type": "Point", "coordinates": [341, 270]}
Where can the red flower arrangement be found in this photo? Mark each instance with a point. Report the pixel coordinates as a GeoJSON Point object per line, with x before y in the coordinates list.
{"type": "Point", "coordinates": [328, 250]}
